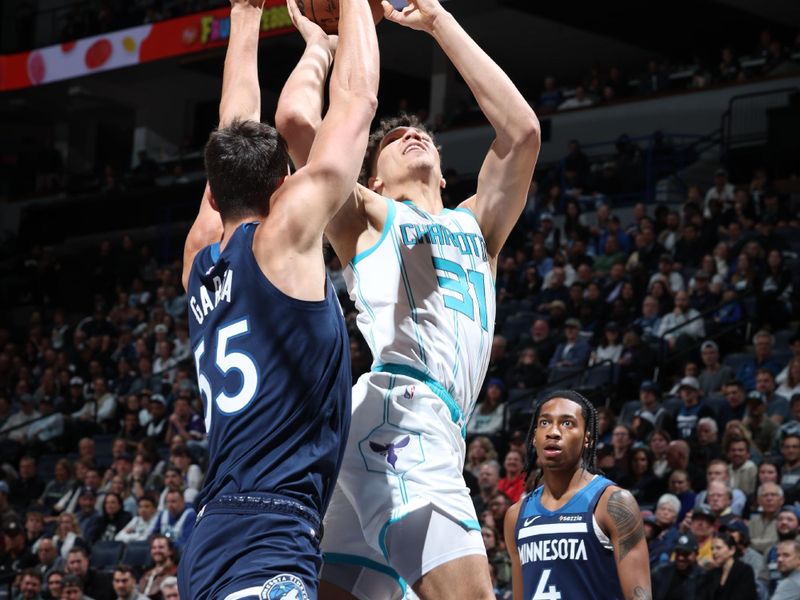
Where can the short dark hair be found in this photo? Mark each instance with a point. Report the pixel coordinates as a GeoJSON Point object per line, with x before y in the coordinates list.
{"type": "Point", "coordinates": [35, 573]}
{"type": "Point", "coordinates": [79, 550]}
{"type": "Point", "coordinates": [245, 160]}
{"type": "Point", "coordinates": [124, 569]}
{"type": "Point", "coordinates": [376, 137]}
{"type": "Point", "coordinates": [72, 581]}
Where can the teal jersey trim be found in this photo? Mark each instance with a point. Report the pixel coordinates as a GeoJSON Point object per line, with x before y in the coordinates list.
{"type": "Point", "coordinates": [467, 211]}
{"type": "Point", "coordinates": [471, 524]}
{"type": "Point", "coordinates": [437, 388]}
{"type": "Point", "coordinates": [336, 558]}
{"type": "Point", "coordinates": [387, 226]}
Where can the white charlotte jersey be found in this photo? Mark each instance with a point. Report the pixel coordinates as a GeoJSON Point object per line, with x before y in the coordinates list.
{"type": "Point", "coordinates": [426, 299]}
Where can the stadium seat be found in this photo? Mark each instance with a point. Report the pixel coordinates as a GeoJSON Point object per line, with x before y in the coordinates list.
{"type": "Point", "coordinates": [516, 325]}
{"type": "Point", "coordinates": [736, 360]}
{"type": "Point", "coordinates": [783, 356]}
{"type": "Point", "coordinates": [628, 411]}
{"type": "Point", "coordinates": [715, 402]}
{"type": "Point", "coordinates": [782, 338]}
{"type": "Point", "coordinates": [137, 555]}
{"type": "Point", "coordinates": [106, 554]}
{"type": "Point", "coordinates": [601, 375]}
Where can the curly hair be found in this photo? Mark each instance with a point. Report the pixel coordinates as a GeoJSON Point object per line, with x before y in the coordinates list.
{"type": "Point", "coordinates": [376, 137]}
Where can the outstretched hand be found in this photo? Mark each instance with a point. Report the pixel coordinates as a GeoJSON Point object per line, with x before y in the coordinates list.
{"type": "Point", "coordinates": [419, 14]}
{"type": "Point", "coordinates": [311, 32]}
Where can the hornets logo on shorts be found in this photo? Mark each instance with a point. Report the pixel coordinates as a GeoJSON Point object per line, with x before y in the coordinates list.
{"type": "Point", "coordinates": [284, 587]}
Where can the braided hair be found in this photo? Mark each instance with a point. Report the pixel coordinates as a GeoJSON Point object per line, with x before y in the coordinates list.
{"type": "Point", "coordinates": [588, 454]}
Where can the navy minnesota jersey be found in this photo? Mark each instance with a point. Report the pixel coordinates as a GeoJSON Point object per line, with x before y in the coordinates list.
{"type": "Point", "coordinates": [563, 553]}
{"type": "Point", "coordinates": [274, 375]}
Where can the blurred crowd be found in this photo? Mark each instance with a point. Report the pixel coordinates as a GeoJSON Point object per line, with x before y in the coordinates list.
{"type": "Point", "coordinates": [680, 321]}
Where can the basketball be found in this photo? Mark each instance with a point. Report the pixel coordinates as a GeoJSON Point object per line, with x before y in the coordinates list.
{"type": "Point", "coordinates": [325, 13]}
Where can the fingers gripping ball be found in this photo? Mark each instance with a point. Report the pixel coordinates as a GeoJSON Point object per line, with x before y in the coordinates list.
{"type": "Point", "coordinates": [325, 13]}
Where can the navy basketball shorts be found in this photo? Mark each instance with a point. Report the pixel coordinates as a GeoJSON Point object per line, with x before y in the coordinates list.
{"type": "Point", "coordinates": [253, 546]}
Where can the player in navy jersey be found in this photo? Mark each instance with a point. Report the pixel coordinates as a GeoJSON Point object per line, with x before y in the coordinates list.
{"type": "Point", "coordinates": [268, 335]}
{"type": "Point", "coordinates": [578, 535]}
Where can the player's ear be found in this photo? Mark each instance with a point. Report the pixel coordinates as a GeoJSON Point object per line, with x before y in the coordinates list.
{"type": "Point", "coordinates": [442, 183]}
{"type": "Point", "coordinates": [375, 184]}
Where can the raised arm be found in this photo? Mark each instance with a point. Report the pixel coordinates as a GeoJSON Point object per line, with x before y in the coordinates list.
{"type": "Point", "coordinates": [316, 192]}
{"type": "Point", "coordinates": [618, 514]}
{"type": "Point", "coordinates": [299, 112]}
{"type": "Point", "coordinates": [506, 173]}
{"type": "Point", "coordinates": [241, 99]}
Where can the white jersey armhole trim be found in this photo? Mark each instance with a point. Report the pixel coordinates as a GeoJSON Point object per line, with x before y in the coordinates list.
{"type": "Point", "coordinates": [604, 540]}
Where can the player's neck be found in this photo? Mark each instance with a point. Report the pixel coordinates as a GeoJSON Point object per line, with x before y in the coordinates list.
{"type": "Point", "coordinates": [424, 195]}
{"type": "Point", "coordinates": [560, 485]}
{"type": "Point", "coordinates": [230, 227]}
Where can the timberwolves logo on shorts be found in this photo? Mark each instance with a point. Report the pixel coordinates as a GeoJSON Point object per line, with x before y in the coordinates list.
{"type": "Point", "coordinates": [284, 587]}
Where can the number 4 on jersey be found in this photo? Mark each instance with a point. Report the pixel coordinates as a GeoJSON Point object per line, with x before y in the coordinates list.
{"type": "Point", "coordinates": [228, 361]}
{"type": "Point", "coordinates": [552, 592]}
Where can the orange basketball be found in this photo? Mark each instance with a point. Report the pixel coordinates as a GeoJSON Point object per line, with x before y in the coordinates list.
{"type": "Point", "coordinates": [325, 13]}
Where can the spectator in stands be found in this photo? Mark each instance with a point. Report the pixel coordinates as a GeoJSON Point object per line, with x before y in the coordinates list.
{"type": "Point", "coordinates": [488, 478]}
{"type": "Point", "coordinates": [790, 471]}
{"type": "Point", "coordinates": [730, 578]}
{"type": "Point", "coordinates": [777, 406]}
{"type": "Point", "coordinates": [528, 373]}
{"type": "Point", "coordinates": [96, 584]}
{"type": "Point", "coordinates": [34, 527]}
{"type": "Point", "coordinates": [157, 426]}
{"type": "Point", "coordinates": [479, 451]}
{"type": "Point", "coordinates": [658, 442]}
{"type": "Point", "coordinates": [702, 523]}
{"type": "Point", "coordinates": [762, 429]}
{"type": "Point", "coordinates": [722, 190]}
{"type": "Point", "coordinates": [707, 446]}
{"type": "Point", "coordinates": [15, 424]}
{"type": "Point", "coordinates": [580, 100]}
{"type": "Point", "coordinates": [164, 557]}
{"type": "Point", "coordinates": [743, 471]}
{"type": "Point", "coordinates": [791, 385]}
{"type": "Point", "coordinates": [717, 470]}
{"type": "Point", "coordinates": [641, 480]}
{"type": "Point", "coordinates": [682, 578]}
{"type": "Point", "coordinates": [679, 485]}
{"type": "Point", "coordinates": [666, 520]}
{"type": "Point", "coordinates": [27, 488]}
{"type": "Point", "coordinates": [488, 418]}
{"type": "Point", "coordinates": [741, 536]}
{"type": "Point", "coordinates": [574, 352]}
{"type": "Point", "coordinates": [550, 98]}
{"type": "Point", "coordinates": [513, 484]}
{"type": "Point", "coordinates": [692, 409]}
{"type": "Point", "coordinates": [651, 409]}
{"type": "Point", "coordinates": [47, 554]}
{"type": "Point", "coordinates": [650, 321]}
{"type": "Point", "coordinates": [683, 326]}
{"type": "Point", "coordinates": [169, 588]}
{"type": "Point", "coordinates": [139, 527]}
{"type": "Point", "coordinates": [88, 517]}
{"type": "Point", "coordinates": [497, 555]}
{"type": "Point", "coordinates": [714, 375]}
{"type": "Point", "coordinates": [16, 556]}
{"type": "Point", "coordinates": [191, 474]}
{"type": "Point", "coordinates": [125, 584]}
{"type": "Point", "coordinates": [728, 68]}
{"type": "Point", "coordinates": [113, 519]}
{"type": "Point", "coordinates": [701, 297]}
{"type": "Point", "coordinates": [30, 585]}
{"type": "Point", "coordinates": [177, 520]}
{"type": "Point", "coordinates": [184, 422]}
{"type": "Point", "coordinates": [556, 290]}
{"type": "Point", "coordinates": [788, 528]}
{"type": "Point", "coordinates": [655, 80]}
{"type": "Point", "coordinates": [719, 496]}
{"type": "Point", "coordinates": [788, 559]}
{"type": "Point", "coordinates": [763, 525]}
{"type": "Point", "coordinates": [498, 506]}
{"type": "Point", "coordinates": [68, 534]}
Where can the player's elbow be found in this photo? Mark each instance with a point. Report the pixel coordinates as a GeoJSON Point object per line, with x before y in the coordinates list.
{"type": "Point", "coordinates": [528, 132]}
{"type": "Point", "coordinates": [291, 120]}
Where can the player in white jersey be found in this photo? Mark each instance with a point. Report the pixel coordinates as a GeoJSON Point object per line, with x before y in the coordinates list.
{"type": "Point", "coordinates": [422, 278]}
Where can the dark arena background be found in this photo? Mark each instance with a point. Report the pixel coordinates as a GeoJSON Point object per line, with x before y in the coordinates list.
{"type": "Point", "coordinates": [662, 216]}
